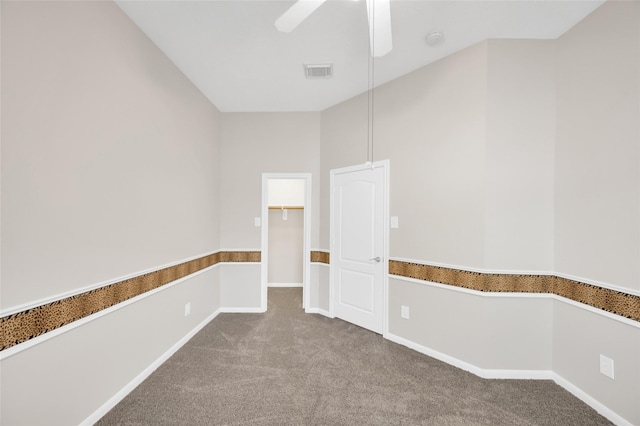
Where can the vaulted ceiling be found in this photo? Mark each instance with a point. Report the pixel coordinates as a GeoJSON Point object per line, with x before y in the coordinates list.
{"type": "Point", "coordinates": [232, 51]}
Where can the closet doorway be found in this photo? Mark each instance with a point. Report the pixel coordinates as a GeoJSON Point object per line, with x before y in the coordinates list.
{"type": "Point", "coordinates": [286, 233]}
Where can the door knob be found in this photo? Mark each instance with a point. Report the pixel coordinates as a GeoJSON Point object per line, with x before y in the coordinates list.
{"type": "Point", "coordinates": [376, 259]}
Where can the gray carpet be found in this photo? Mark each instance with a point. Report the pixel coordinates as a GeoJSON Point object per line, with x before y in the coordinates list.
{"type": "Point", "coordinates": [285, 367]}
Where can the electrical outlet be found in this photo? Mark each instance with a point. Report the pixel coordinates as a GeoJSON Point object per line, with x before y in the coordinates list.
{"type": "Point", "coordinates": [404, 312]}
{"type": "Point", "coordinates": [187, 309]}
{"type": "Point", "coordinates": [606, 366]}
{"type": "Point", "coordinates": [257, 222]}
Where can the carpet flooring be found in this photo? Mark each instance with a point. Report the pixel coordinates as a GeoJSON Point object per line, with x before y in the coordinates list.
{"type": "Point", "coordinates": [285, 367]}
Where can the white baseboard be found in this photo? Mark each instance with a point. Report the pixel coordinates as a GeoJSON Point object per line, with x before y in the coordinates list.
{"type": "Point", "coordinates": [478, 371]}
{"type": "Point", "coordinates": [463, 365]}
{"type": "Point", "coordinates": [284, 285]}
{"type": "Point", "coordinates": [243, 310]}
{"type": "Point", "coordinates": [515, 374]}
{"type": "Point", "coordinates": [318, 311]}
{"type": "Point", "coordinates": [591, 401]}
{"type": "Point", "coordinates": [115, 399]}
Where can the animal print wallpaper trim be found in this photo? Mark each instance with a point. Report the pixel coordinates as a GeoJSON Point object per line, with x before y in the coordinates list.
{"type": "Point", "coordinates": [619, 303]}
{"type": "Point", "coordinates": [23, 326]}
{"type": "Point", "coordinates": [320, 257]}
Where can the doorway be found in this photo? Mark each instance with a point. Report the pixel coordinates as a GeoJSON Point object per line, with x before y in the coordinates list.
{"type": "Point", "coordinates": [286, 261]}
{"type": "Point", "coordinates": [359, 245]}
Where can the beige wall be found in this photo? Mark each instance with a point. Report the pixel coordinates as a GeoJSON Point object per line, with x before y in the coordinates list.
{"type": "Point", "coordinates": [506, 333]}
{"type": "Point", "coordinates": [286, 247]}
{"type": "Point", "coordinates": [509, 155]}
{"type": "Point", "coordinates": [109, 167]}
{"type": "Point", "coordinates": [579, 338]}
{"type": "Point", "coordinates": [109, 156]}
{"type": "Point", "coordinates": [256, 143]}
{"type": "Point", "coordinates": [253, 144]}
{"type": "Point", "coordinates": [515, 155]}
{"type": "Point", "coordinates": [286, 235]}
{"type": "Point", "coordinates": [64, 380]}
{"type": "Point", "coordinates": [240, 287]}
{"type": "Point", "coordinates": [597, 202]}
{"type": "Point", "coordinates": [431, 124]}
{"type": "Point", "coordinates": [598, 148]}
{"type": "Point", "coordinates": [344, 142]}
{"type": "Point", "coordinates": [519, 159]}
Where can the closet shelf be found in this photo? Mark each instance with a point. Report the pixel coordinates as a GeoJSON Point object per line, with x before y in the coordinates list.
{"type": "Point", "coordinates": [286, 207]}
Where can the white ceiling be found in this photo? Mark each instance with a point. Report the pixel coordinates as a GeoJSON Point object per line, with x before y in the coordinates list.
{"type": "Point", "coordinates": [231, 50]}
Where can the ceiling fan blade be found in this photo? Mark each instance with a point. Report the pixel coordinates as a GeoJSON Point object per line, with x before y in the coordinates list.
{"type": "Point", "coordinates": [296, 14]}
{"type": "Point", "coordinates": [379, 15]}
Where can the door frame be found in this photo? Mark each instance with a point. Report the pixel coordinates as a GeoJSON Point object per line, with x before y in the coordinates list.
{"type": "Point", "coordinates": [306, 244]}
{"type": "Point", "coordinates": [385, 164]}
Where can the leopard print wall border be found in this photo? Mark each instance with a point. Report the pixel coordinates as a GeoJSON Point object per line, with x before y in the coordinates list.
{"type": "Point", "coordinates": [619, 303]}
{"type": "Point", "coordinates": [623, 304]}
{"type": "Point", "coordinates": [320, 257]}
{"type": "Point", "coordinates": [23, 326]}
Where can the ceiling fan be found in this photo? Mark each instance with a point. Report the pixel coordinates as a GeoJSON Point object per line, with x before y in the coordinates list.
{"type": "Point", "coordinates": [378, 14]}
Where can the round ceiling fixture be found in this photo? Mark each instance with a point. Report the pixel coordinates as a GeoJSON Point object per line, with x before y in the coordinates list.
{"type": "Point", "coordinates": [435, 38]}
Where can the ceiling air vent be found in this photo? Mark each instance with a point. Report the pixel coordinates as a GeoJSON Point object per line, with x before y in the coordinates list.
{"type": "Point", "coordinates": [318, 70]}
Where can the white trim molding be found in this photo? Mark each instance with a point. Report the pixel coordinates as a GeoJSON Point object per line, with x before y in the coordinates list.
{"type": "Point", "coordinates": [498, 295]}
{"type": "Point", "coordinates": [521, 272]}
{"type": "Point", "coordinates": [471, 268]}
{"type": "Point", "coordinates": [514, 374]}
{"type": "Point", "coordinates": [66, 328]}
{"type": "Point", "coordinates": [306, 255]}
{"type": "Point", "coordinates": [61, 296]}
{"type": "Point", "coordinates": [605, 411]}
{"type": "Point", "coordinates": [318, 311]}
{"type": "Point", "coordinates": [284, 285]}
{"type": "Point", "coordinates": [115, 399]}
{"type": "Point", "coordinates": [242, 310]}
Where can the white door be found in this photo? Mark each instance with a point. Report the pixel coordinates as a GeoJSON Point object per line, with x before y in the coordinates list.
{"type": "Point", "coordinates": [358, 254]}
